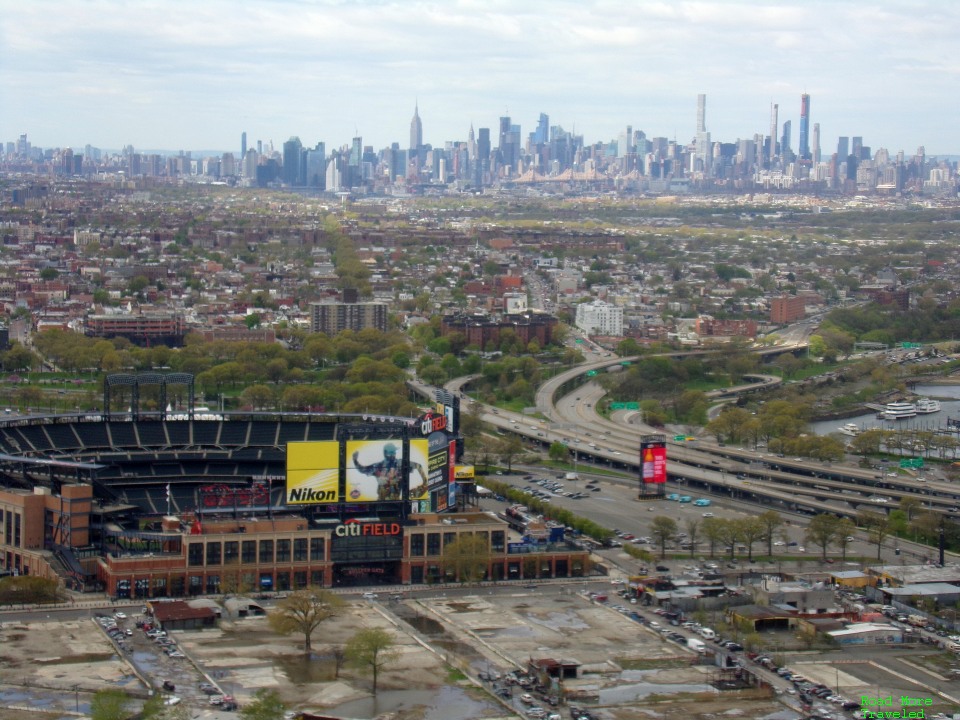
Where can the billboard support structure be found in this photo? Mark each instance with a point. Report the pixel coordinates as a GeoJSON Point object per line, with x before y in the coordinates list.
{"type": "Point", "coordinates": [653, 467]}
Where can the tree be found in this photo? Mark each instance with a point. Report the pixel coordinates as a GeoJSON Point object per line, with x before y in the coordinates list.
{"type": "Point", "coordinates": [910, 505]}
{"type": "Point", "coordinates": [712, 531]}
{"type": "Point", "coordinates": [845, 529]}
{"type": "Point", "coordinates": [304, 611]}
{"type": "Point", "coordinates": [265, 705]}
{"type": "Point", "coordinates": [692, 526]}
{"type": "Point", "coordinates": [772, 522]}
{"type": "Point", "coordinates": [109, 704]}
{"type": "Point", "coordinates": [558, 451]}
{"type": "Point", "coordinates": [877, 526]}
{"type": "Point", "coordinates": [730, 534]}
{"type": "Point", "coordinates": [507, 450]}
{"type": "Point", "coordinates": [751, 530]}
{"type": "Point", "coordinates": [371, 649]}
{"type": "Point", "coordinates": [467, 558]}
{"type": "Point", "coordinates": [662, 531]}
{"type": "Point", "coordinates": [822, 531]}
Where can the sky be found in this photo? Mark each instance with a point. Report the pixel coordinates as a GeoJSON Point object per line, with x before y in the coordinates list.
{"type": "Point", "coordinates": [194, 74]}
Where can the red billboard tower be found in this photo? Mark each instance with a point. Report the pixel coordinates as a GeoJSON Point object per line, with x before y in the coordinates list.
{"type": "Point", "coordinates": [653, 466]}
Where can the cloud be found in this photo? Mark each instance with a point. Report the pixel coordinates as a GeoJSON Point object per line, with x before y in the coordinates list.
{"type": "Point", "coordinates": [324, 68]}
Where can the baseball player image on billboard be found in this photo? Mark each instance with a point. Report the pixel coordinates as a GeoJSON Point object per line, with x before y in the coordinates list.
{"type": "Point", "coordinates": [374, 469]}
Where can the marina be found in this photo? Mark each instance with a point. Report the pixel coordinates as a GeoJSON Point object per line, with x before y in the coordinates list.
{"type": "Point", "coordinates": [946, 397]}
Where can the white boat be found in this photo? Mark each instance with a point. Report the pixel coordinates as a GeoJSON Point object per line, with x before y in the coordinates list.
{"type": "Point", "coordinates": [899, 410]}
{"type": "Point", "coordinates": [926, 406]}
{"type": "Point", "coordinates": [851, 429]}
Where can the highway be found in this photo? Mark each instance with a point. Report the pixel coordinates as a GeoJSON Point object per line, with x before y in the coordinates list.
{"type": "Point", "coordinates": [791, 484]}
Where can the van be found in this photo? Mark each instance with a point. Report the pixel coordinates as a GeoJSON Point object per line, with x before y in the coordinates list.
{"type": "Point", "coordinates": [707, 634]}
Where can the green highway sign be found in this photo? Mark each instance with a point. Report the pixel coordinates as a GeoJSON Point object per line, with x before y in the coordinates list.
{"type": "Point", "coordinates": [626, 363]}
{"type": "Point", "coordinates": [579, 341]}
{"type": "Point", "coordinates": [911, 463]}
{"type": "Point", "coordinates": [680, 438]}
{"type": "Point", "coordinates": [911, 345]}
{"type": "Point", "coordinates": [591, 373]}
{"type": "Point", "coordinates": [624, 406]}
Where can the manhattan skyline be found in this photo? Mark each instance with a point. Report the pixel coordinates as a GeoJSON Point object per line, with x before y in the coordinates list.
{"type": "Point", "coordinates": [176, 75]}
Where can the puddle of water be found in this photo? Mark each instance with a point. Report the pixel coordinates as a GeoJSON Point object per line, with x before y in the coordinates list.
{"type": "Point", "coordinates": [636, 691]}
{"type": "Point", "coordinates": [303, 670]}
{"type": "Point", "coordinates": [425, 625]}
{"type": "Point", "coordinates": [445, 703]}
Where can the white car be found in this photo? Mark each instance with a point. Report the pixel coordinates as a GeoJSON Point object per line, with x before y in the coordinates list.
{"type": "Point", "coordinates": [779, 543]}
{"type": "Point", "coordinates": [370, 596]}
{"type": "Point", "coordinates": [708, 515]}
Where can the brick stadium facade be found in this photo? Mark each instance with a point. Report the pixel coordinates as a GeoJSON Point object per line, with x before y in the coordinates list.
{"type": "Point", "coordinates": [100, 521]}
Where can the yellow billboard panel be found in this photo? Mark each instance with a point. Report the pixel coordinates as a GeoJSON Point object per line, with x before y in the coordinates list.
{"type": "Point", "coordinates": [463, 472]}
{"type": "Point", "coordinates": [313, 472]}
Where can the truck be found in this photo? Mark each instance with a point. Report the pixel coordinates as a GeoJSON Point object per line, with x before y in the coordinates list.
{"type": "Point", "coordinates": [917, 620]}
{"type": "Point", "coordinates": [571, 476]}
{"type": "Point", "coordinates": [696, 645]}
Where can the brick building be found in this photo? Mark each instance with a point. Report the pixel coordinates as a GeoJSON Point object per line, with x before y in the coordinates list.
{"type": "Point", "coordinates": [787, 309]}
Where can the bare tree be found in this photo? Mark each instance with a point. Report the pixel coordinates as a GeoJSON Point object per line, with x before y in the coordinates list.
{"type": "Point", "coordinates": [822, 531]}
{"type": "Point", "coordinates": [692, 526]}
{"type": "Point", "coordinates": [877, 526]}
{"type": "Point", "coordinates": [663, 530]}
{"type": "Point", "coordinates": [772, 521]}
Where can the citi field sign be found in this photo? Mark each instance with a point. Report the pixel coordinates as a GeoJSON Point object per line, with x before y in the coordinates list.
{"type": "Point", "coordinates": [432, 423]}
{"type": "Point", "coordinates": [355, 528]}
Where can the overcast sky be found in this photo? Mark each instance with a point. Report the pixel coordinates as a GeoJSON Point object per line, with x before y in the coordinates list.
{"type": "Point", "coordinates": [193, 74]}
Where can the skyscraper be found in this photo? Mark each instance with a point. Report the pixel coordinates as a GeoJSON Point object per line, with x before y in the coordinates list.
{"type": "Point", "coordinates": [856, 147]}
{"type": "Point", "coordinates": [291, 161]}
{"type": "Point", "coordinates": [816, 143]}
{"type": "Point", "coordinates": [804, 126]}
{"type": "Point", "coordinates": [773, 133]}
{"type": "Point", "coordinates": [785, 151]}
{"type": "Point", "coordinates": [483, 155]}
{"type": "Point", "coordinates": [504, 149]}
{"type": "Point", "coordinates": [416, 130]}
{"type": "Point", "coordinates": [542, 134]}
{"type": "Point", "coordinates": [702, 155]}
{"type": "Point", "coordinates": [243, 144]}
{"type": "Point", "coordinates": [843, 148]}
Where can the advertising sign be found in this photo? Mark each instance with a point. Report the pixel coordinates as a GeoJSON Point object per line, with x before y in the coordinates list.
{"type": "Point", "coordinates": [313, 472]}
{"type": "Point", "coordinates": [418, 490]}
{"type": "Point", "coordinates": [375, 468]}
{"type": "Point", "coordinates": [438, 461]}
{"type": "Point", "coordinates": [654, 462]}
{"type": "Point", "coordinates": [452, 474]}
{"type": "Point", "coordinates": [464, 472]}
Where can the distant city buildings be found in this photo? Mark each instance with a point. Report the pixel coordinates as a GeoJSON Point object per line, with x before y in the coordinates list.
{"type": "Point", "coordinates": [549, 156]}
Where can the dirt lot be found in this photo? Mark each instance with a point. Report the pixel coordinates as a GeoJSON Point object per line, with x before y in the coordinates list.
{"type": "Point", "coordinates": [627, 671]}
{"type": "Point", "coordinates": [58, 660]}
